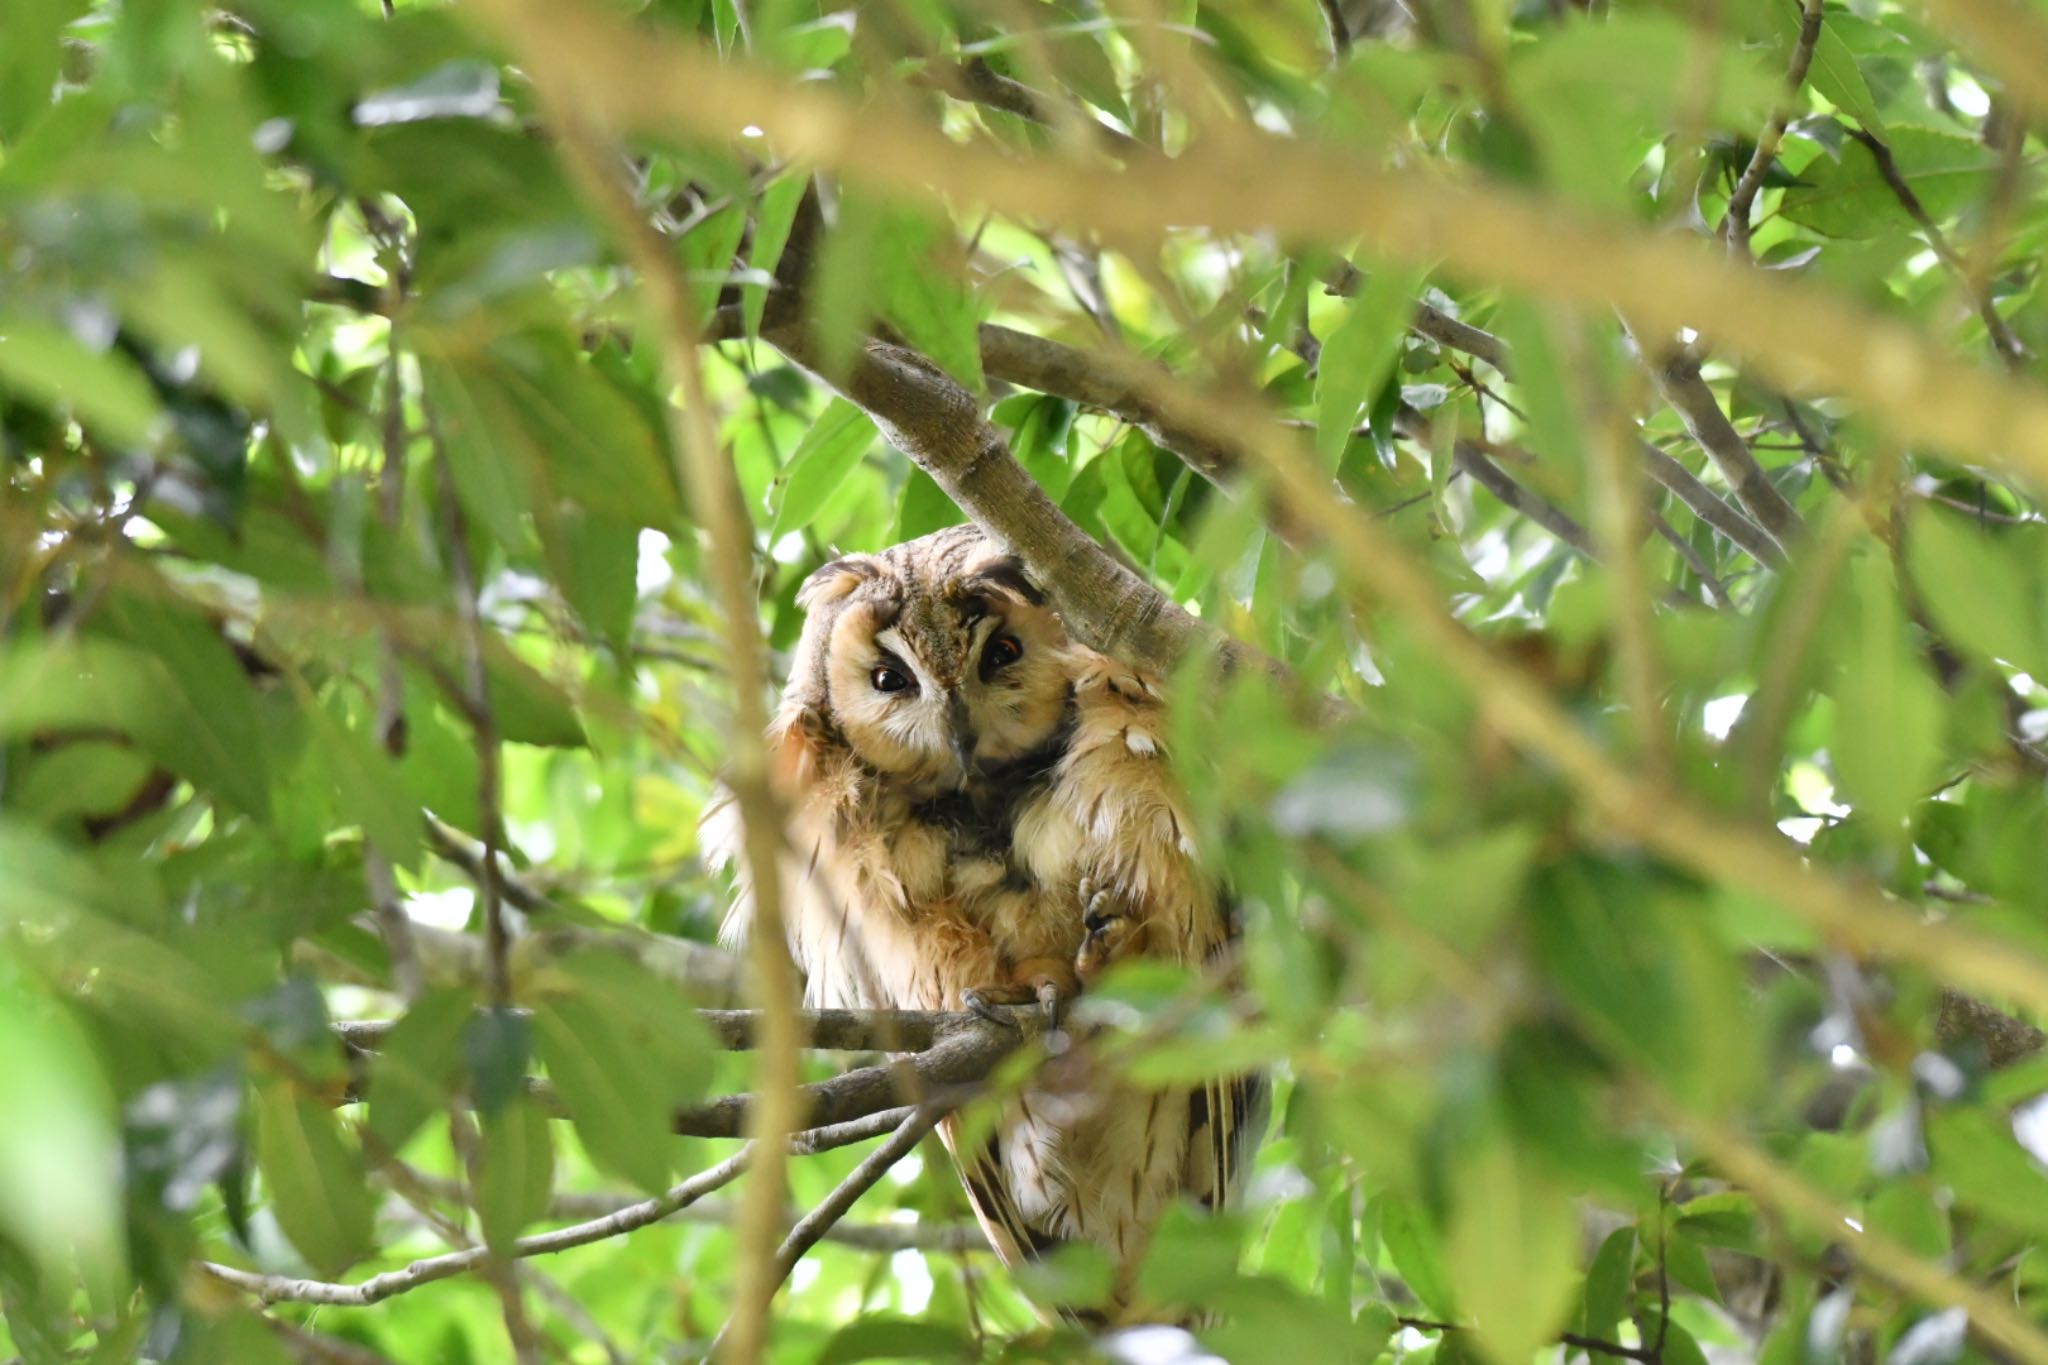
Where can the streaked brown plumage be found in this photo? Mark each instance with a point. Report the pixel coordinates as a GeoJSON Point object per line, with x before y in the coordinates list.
{"type": "Point", "coordinates": [982, 812]}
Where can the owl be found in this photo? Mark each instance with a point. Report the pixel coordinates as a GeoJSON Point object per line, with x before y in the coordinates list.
{"type": "Point", "coordinates": [981, 813]}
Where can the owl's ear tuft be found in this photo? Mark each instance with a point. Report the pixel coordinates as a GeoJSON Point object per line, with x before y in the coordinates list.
{"type": "Point", "coordinates": [1005, 574]}
{"type": "Point", "coordinates": [836, 578]}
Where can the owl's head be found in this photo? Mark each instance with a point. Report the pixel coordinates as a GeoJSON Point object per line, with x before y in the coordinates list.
{"type": "Point", "coordinates": [934, 661]}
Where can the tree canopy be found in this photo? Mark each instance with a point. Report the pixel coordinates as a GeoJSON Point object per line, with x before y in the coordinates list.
{"type": "Point", "coordinates": [1577, 465]}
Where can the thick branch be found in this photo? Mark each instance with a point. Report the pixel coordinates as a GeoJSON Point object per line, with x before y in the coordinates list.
{"type": "Point", "coordinates": [932, 419]}
{"type": "Point", "coordinates": [962, 1050]}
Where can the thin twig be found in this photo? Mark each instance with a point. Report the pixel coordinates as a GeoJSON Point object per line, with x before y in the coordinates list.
{"type": "Point", "coordinates": [1735, 225]}
{"type": "Point", "coordinates": [819, 1220]}
{"type": "Point", "coordinates": [282, 1288]}
{"type": "Point", "coordinates": [2010, 348]}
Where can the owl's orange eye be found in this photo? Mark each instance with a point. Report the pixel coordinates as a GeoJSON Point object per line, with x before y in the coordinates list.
{"type": "Point", "coordinates": [1001, 652]}
{"type": "Point", "coordinates": [887, 679]}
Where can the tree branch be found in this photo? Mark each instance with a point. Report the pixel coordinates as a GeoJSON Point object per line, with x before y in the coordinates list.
{"type": "Point", "coordinates": [2009, 347]}
{"type": "Point", "coordinates": [819, 1220]}
{"type": "Point", "coordinates": [1678, 380]}
{"type": "Point", "coordinates": [1800, 337]}
{"type": "Point", "coordinates": [932, 419]}
{"type": "Point", "coordinates": [1735, 226]}
{"type": "Point", "coordinates": [962, 1050]}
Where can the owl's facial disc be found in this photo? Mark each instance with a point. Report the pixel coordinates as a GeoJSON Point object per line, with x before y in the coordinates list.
{"type": "Point", "coordinates": [944, 681]}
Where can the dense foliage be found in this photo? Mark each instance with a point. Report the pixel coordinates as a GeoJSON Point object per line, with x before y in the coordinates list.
{"type": "Point", "coordinates": [1643, 960]}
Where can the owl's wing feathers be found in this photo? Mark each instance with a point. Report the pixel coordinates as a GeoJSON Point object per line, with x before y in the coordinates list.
{"type": "Point", "coordinates": [1120, 787]}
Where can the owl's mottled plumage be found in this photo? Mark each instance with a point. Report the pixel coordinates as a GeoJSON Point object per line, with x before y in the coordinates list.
{"type": "Point", "coordinates": [981, 810]}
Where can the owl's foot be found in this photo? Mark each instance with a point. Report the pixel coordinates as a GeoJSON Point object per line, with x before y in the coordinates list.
{"type": "Point", "coordinates": [1111, 931]}
{"type": "Point", "coordinates": [1045, 981]}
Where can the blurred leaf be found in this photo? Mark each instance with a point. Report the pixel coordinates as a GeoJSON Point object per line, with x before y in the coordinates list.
{"type": "Point", "coordinates": [464, 88]}
{"type": "Point", "coordinates": [203, 726]}
{"type": "Point", "coordinates": [773, 219]}
{"type": "Point", "coordinates": [411, 1077]}
{"type": "Point", "coordinates": [315, 1181]}
{"type": "Point", "coordinates": [1417, 1253]}
{"type": "Point", "coordinates": [103, 388]}
{"type": "Point", "coordinates": [1609, 1280]}
{"type": "Point", "coordinates": [1986, 591]}
{"type": "Point", "coordinates": [1512, 1252]}
{"type": "Point", "coordinates": [880, 1338]}
{"type": "Point", "coordinates": [1888, 722]}
{"type": "Point", "coordinates": [367, 788]}
{"type": "Point", "coordinates": [515, 1172]}
{"type": "Point", "coordinates": [1360, 354]}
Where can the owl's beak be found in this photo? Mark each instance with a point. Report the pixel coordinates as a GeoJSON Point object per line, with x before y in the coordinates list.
{"type": "Point", "coordinates": [962, 729]}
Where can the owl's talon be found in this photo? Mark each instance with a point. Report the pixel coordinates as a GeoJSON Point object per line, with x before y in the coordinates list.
{"type": "Point", "coordinates": [1050, 1000]}
{"type": "Point", "coordinates": [982, 1007]}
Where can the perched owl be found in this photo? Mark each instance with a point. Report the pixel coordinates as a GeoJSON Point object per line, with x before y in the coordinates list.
{"type": "Point", "coordinates": [981, 813]}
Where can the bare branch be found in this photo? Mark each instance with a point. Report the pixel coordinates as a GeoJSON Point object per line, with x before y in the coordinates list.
{"type": "Point", "coordinates": [1735, 225]}
{"type": "Point", "coordinates": [948, 1238]}
{"type": "Point", "coordinates": [927, 415]}
{"type": "Point", "coordinates": [1678, 379]}
{"type": "Point", "coordinates": [280, 1288]}
{"type": "Point", "coordinates": [963, 1050]}
{"type": "Point", "coordinates": [2009, 347]}
{"type": "Point", "coordinates": [819, 1220]}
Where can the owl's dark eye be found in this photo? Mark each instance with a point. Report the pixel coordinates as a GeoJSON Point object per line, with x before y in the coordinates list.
{"type": "Point", "coordinates": [1002, 651]}
{"type": "Point", "coordinates": [887, 679]}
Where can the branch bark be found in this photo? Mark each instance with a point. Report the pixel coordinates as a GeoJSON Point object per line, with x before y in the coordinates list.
{"type": "Point", "coordinates": [1678, 380]}
{"type": "Point", "coordinates": [932, 419]}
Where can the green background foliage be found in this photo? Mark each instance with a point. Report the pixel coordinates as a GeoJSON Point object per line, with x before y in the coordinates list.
{"type": "Point", "coordinates": [342, 534]}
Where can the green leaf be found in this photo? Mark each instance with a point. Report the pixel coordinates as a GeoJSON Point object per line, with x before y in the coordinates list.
{"type": "Point", "coordinates": [830, 450]}
{"type": "Point", "coordinates": [103, 388]}
{"type": "Point", "coordinates": [413, 1074]}
{"type": "Point", "coordinates": [1417, 1253]}
{"type": "Point", "coordinates": [367, 788]}
{"type": "Point", "coordinates": [1360, 354]}
{"type": "Point", "coordinates": [925, 293]}
{"type": "Point", "coordinates": [1608, 1282]}
{"type": "Point", "coordinates": [315, 1181]}
{"type": "Point", "coordinates": [1851, 198]}
{"type": "Point", "coordinates": [614, 1092]}
{"type": "Point", "coordinates": [1833, 70]}
{"type": "Point", "coordinates": [707, 252]}
{"type": "Point", "coordinates": [1984, 589]}
{"type": "Point", "coordinates": [1888, 711]}
{"type": "Point", "coordinates": [203, 725]}
{"type": "Point", "coordinates": [883, 1338]}
{"type": "Point", "coordinates": [85, 777]}
{"type": "Point", "coordinates": [1982, 1163]}
{"type": "Point", "coordinates": [773, 219]}
{"type": "Point", "coordinates": [515, 1172]}
{"type": "Point", "coordinates": [1512, 1252]}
